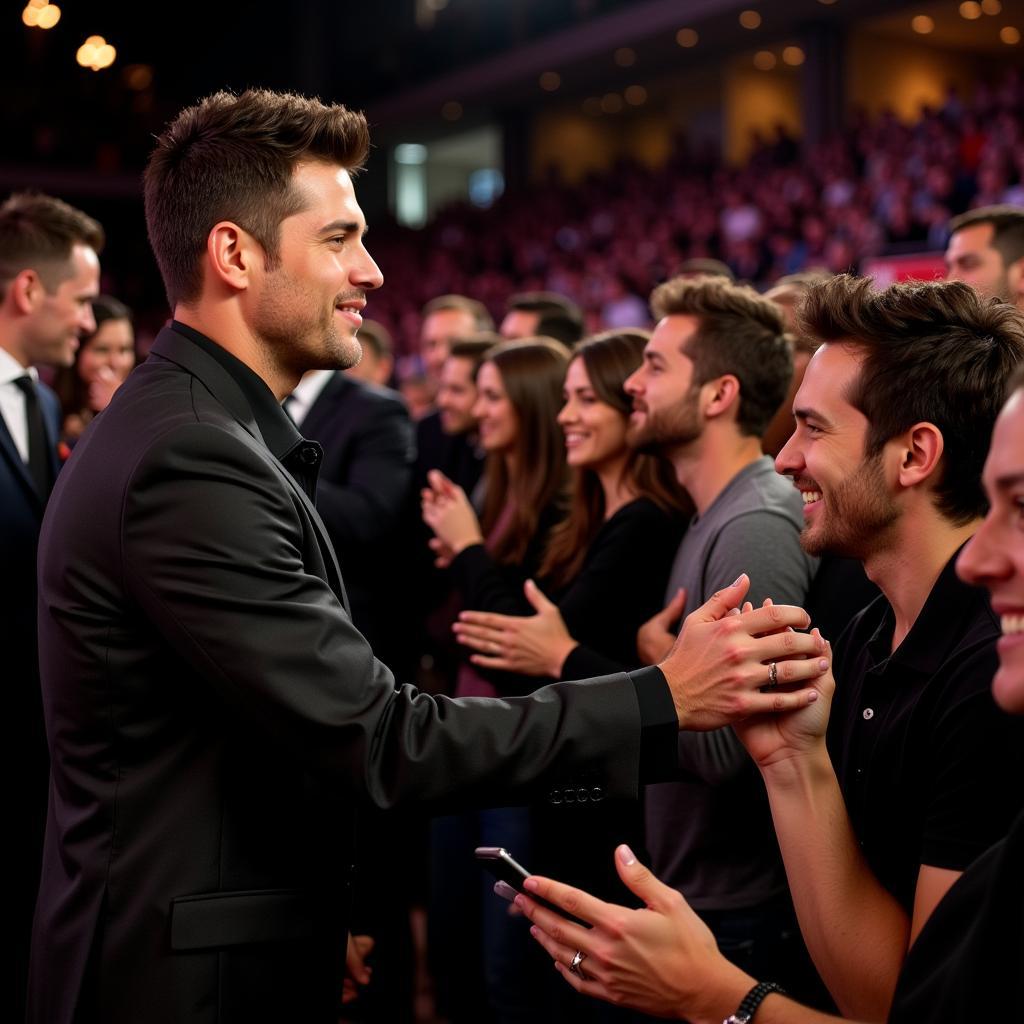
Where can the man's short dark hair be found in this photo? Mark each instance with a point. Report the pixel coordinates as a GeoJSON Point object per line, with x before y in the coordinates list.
{"type": "Point", "coordinates": [558, 317]}
{"type": "Point", "coordinates": [474, 348]}
{"type": "Point", "coordinates": [1007, 229]}
{"type": "Point", "coordinates": [38, 232]}
{"type": "Point", "coordinates": [740, 333]}
{"type": "Point", "coordinates": [935, 353]}
{"type": "Point", "coordinates": [482, 319]}
{"type": "Point", "coordinates": [374, 335]}
{"type": "Point", "coordinates": [704, 266]}
{"type": "Point", "coordinates": [232, 158]}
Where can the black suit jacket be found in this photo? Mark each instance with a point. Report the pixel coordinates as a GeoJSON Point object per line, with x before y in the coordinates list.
{"type": "Point", "coordinates": [364, 496]}
{"type": "Point", "coordinates": [21, 513]}
{"type": "Point", "coordinates": [214, 717]}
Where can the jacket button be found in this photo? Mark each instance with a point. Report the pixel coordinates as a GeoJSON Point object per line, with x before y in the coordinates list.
{"type": "Point", "coordinates": [596, 794]}
{"type": "Point", "coordinates": [570, 795]}
{"type": "Point", "coordinates": [310, 456]}
{"type": "Point", "coordinates": [555, 796]}
{"type": "Point", "coordinates": [583, 794]}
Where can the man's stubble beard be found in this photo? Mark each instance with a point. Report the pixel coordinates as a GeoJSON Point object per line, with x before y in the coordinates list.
{"type": "Point", "coordinates": [669, 430]}
{"type": "Point", "coordinates": [854, 516]}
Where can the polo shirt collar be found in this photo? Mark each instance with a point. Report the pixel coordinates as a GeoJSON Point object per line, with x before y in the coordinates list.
{"type": "Point", "coordinates": [935, 631]}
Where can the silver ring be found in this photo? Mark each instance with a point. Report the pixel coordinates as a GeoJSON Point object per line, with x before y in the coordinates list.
{"type": "Point", "coordinates": [773, 674]}
{"type": "Point", "coordinates": [576, 968]}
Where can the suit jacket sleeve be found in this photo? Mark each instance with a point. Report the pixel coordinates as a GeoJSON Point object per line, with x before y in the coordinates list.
{"type": "Point", "coordinates": [217, 554]}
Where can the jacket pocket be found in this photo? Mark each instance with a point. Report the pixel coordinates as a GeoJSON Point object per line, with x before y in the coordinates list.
{"type": "Point", "coordinates": [218, 919]}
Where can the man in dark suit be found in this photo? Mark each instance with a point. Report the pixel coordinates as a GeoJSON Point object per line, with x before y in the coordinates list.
{"type": "Point", "coordinates": [214, 716]}
{"type": "Point", "coordinates": [364, 495]}
{"type": "Point", "coordinates": [49, 271]}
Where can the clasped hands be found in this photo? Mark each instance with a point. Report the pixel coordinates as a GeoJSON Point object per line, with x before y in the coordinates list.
{"type": "Point", "coordinates": [448, 512]}
{"type": "Point", "coordinates": [716, 668]}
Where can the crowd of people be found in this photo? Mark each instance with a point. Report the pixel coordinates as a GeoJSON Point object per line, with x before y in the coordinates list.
{"type": "Point", "coordinates": [249, 548]}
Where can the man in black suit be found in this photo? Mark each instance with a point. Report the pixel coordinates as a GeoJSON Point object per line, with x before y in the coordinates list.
{"type": "Point", "coordinates": [49, 271]}
{"type": "Point", "coordinates": [214, 716]}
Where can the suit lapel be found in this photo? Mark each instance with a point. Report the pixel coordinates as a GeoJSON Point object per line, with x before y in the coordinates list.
{"type": "Point", "coordinates": [172, 346]}
{"type": "Point", "coordinates": [323, 409]}
{"type": "Point", "coordinates": [10, 452]}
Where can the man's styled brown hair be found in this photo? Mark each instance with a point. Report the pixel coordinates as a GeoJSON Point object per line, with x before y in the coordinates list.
{"type": "Point", "coordinates": [37, 232]}
{"type": "Point", "coordinates": [936, 353]}
{"type": "Point", "coordinates": [474, 347]}
{"type": "Point", "coordinates": [1007, 229]}
{"type": "Point", "coordinates": [231, 158]}
{"type": "Point", "coordinates": [482, 320]}
{"type": "Point", "coordinates": [557, 316]}
{"type": "Point", "coordinates": [740, 333]}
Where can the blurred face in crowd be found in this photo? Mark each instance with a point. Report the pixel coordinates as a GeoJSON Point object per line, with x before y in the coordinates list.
{"type": "Point", "coordinates": [848, 502]}
{"type": "Point", "coordinates": [519, 323]}
{"type": "Point", "coordinates": [971, 258]}
{"type": "Point", "coordinates": [595, 432]}
{"type": "Point", "coordinates": [456, 396]}
{"type": "Point", "coordinates": [436, 334]}
{"type": "Point", "coordinates": [666, 403]}
{"type": "Point", "coordinates": [309, 307]}
{"type": "Point", "coordinates": [61, 314]}
{"type": "Point", "coordinates": [493, 411]}
{"type": "Point", "coordinates": [111, 348]}
{"type": "Point", "coordinates": [994, 557]}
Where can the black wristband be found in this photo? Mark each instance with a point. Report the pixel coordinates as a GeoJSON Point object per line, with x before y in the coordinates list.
{"type": "Point", "coordinates": [752, 1000]}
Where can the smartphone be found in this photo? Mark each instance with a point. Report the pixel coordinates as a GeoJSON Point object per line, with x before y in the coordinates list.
{"type": "Point", "coordinates": [505, 868]}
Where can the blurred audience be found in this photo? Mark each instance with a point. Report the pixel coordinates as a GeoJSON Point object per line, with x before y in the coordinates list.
{"type": "Point", "coordinates": [545, 315]}
{"type": "Point", "coordinates": [986, 251]}
{"type": "Point", "coordinates": [102, 363]}
{"type": "Point", "coordinates": [377, 365]}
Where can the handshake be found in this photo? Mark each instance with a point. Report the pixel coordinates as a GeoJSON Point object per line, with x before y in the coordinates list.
{"type": "Point", "coordinates": [732, 661]}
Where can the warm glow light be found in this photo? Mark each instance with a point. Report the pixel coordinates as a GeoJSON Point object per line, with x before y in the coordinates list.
{"type": "Point", "coordinates": [96, 53]}
{"type": "Point", "coordinates": [550, 81]}
{"type": "Point", "coordinates": [625, 57]}
{"type": "Point", "coordinates": [452, 110]}
{"type": "Point", "coordinates": [592, 106]}
{"type": "Point", "coordinates": [1009, 35]}
{"type": "Point", "coordinates": [611, 102]}
{"type": "Point", "coordinates": [922, 24]}
{"type": "Point", "coordinates": [49, 16]}
{"type": "Point", "coordinates": [687, 38]}
{"type": "Point", "coordinates": [636, 95]}
{"type": "Point", "coordinates": [750, 19]}
{"type": "Point", "coordinates": [793, 56]}
{"type": "Point", "coordinates": [970, 10]}
{"type": "Point", "coordinates": [30, 16]}
{"type": "Point", "coordinates": [138, 76]}
{"type": "Point", "coordinates": [991, 6]}
{"type": "Point", "coordinates": [764, 60]}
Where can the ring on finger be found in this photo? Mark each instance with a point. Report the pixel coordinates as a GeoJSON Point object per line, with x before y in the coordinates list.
{"type": "Point", "coordinates": [773, 674]}
{"type": "Point", "coordinates": [576, 965]}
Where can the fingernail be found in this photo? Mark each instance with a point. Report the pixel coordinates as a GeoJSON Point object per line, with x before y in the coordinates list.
{"type": "Point", "coordinates": [519, 901]}
{"type": "Point", "coordinates": [812, 696]}
{"type": "Point", "coordinates": [534, 930]}
{"type": "Point", "coordinates": [626, 855]}
{"type": "Point", "coordinates": [823, 665]}
{"type": "Point", "coordinates": [736, 582]}
{"type": "Point", "coordinates": [531, 884]}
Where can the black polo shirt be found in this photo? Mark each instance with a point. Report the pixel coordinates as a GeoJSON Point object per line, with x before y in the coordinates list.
{"type": "Point", "coordinates": [930, 768]}
{"type": "Point", "coordinates": [659, 725]}
{"type": "Point", "coordinates": [967, 964]}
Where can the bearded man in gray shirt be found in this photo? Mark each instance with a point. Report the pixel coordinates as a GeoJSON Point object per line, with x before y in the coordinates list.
{"type": "Point", "coordinates": [714, 373]}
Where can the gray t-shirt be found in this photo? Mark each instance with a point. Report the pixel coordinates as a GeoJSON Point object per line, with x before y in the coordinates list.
{"type": "Point", "coordinates": [711, 836]}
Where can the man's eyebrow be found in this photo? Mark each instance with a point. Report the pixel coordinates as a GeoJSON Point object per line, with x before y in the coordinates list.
{"type": "Point", "coordinates": [807, 414]}
{"type": "Point", "coordinates": [1004, 483]}
{"type": "Point", "coordinates": [347, 226]}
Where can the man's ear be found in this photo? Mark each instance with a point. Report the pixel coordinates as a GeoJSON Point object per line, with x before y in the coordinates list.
{"type": "Point", "coordinates": [232, 255]}
{"type": "Point", "coordinates": [921, 449]}
{"type": "Point", "coordinates": [26, 291]}
{"type": "Point", "coordinates": [721, 395]}
{"type": "Point", "coordinates": [1015, 275]}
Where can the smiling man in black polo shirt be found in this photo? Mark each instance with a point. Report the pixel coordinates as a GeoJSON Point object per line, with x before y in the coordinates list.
{"type": "Point", "coordinates": [892, 421]}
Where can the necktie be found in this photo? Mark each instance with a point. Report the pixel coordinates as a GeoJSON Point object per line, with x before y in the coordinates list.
{"type": "Point", "coordinates": [38, 455]}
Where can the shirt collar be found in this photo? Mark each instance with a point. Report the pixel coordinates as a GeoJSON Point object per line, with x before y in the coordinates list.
{"type": "Point", "coordinates": [279, 433]}
{"type": "Point", "coordinates": [937, 628]}
{"type": "Point", "coordinates": [11, 369]}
